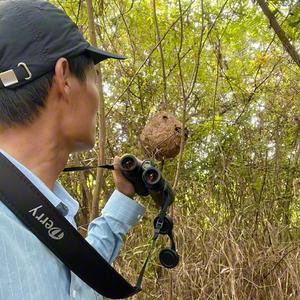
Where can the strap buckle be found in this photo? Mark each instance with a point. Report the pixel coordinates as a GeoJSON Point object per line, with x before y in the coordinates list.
{"type": "Point", "coordinates": [8, 78]}
{"type": "Point", "coordinates": [21, 64]}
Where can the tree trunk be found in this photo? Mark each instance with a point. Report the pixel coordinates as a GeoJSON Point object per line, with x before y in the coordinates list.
{"type": "Point", "coordinates": [101, 121]}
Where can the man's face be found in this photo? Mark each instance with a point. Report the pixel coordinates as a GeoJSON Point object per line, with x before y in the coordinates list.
{"type": "Point", "coordinates": [84, 99]}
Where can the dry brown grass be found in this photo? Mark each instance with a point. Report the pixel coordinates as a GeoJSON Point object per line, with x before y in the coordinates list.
{"type": "Point", "coordinates": [220, 262]}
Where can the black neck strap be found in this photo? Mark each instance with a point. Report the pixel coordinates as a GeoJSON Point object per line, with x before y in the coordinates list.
{"type": "Point", "coordinates": [42, 218]}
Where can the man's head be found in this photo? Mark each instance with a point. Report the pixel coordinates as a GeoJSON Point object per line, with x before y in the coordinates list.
{"type": "Point", "coordinates": [67, 94]}
{"type": "Point", "coordinates": [47, 66]}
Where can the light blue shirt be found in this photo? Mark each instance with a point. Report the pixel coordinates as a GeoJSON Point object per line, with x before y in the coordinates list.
{"type": "Point", "coordinates": [30, 271]}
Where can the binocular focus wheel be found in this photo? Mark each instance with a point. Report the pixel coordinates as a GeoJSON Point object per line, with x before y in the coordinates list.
{"type": "Point", "coordinates": [167, 225]}
{"type": "Point", "coordinates": [169, 258]}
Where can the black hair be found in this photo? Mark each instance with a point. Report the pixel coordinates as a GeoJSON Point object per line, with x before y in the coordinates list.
{"type": "Point", "coordinates": [21, 106]}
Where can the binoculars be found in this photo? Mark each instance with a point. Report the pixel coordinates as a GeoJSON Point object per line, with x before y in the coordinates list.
{"type": "Point", "coordinates": [147, 179]}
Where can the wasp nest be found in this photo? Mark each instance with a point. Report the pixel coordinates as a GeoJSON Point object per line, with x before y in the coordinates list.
{"type": "Point", "coordinates": [160, 139]}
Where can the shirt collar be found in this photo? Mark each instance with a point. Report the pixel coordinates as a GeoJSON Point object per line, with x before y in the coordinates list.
{"type": "Point", "coordinates": [59, 194]}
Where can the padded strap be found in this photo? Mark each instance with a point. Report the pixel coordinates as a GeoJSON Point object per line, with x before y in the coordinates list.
{"type": "Point", "coordinates": [42, 218]}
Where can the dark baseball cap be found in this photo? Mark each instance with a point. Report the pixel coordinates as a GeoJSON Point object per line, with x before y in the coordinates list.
{"type": "Point", "coordinates": [34, 34]}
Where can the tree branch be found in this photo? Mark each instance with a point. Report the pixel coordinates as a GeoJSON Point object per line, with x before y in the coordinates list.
{"type": "Point", "coordinates": [162, 59]}
{"type": "Point", "coordinates": [279, 31]}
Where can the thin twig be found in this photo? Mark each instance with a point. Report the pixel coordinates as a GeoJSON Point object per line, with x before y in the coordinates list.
{"type": "Point", "coordinates": [162, 59]}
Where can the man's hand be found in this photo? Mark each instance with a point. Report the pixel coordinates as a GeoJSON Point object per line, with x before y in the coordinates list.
{"type": "Point", "coordinates": [122, 184]}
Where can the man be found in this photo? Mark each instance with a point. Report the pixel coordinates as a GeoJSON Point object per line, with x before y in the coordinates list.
{"type": "Point", "coordinates": [48, 104]}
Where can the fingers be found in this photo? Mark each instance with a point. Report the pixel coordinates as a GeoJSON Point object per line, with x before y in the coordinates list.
{"type": "Point", "coordinates": [121, 183]}
{"type": "Point", "coordinates": [116, 163]}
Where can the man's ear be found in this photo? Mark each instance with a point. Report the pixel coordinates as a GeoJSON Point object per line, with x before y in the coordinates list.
{"type": "Point", "coordinates": [62, 77]}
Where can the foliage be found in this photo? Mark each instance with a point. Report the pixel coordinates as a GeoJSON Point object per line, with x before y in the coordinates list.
{"type": "Point", "coordinates": [237, 208]}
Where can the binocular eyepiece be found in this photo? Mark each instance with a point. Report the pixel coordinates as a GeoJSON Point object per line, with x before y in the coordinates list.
{"type": "Point", "coordinates": [147, 179]}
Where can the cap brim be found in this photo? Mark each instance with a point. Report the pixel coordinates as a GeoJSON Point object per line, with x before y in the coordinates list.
{"type": "Point", "coordinates": [100, 55]}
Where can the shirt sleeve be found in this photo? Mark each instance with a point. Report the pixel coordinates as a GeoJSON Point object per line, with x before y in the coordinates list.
{"type": "Point", "coordinates": [106, 234]}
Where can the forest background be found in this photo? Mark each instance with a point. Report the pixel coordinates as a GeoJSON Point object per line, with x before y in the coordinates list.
{"type": "Point", "coordinates": [221, 69]}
